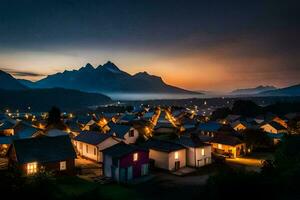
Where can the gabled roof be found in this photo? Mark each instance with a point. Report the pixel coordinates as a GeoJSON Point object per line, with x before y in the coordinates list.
{"type": "Point", "coordinates": [127, 117]}
{"type": "Point", "coordinates": [119, 129]}
{"type": "Point", "coordinates": [6, 124]}
{"type": "Point", "coordinates": [226, 140]}
{"type": "Point", "coordinates": [276, 125]}
{"type": "Point", "coordinates": [44, 149]}
{"type": "Point", "coordinates": [121, 149]}
{"type": "Point", "coordinates": [6, 140]}
{"type": "Point", "coordinates": [91, 137]}
{"type": "Point", "coordinates": [23, 130]}
{"type": "Point", "coordinates": [190, 142]}
{"type": "Point", "coordinates": [73, 126]}
{"type": "Point", "coordinates": [209, 126]}
{"type": "Point", "coordinates": [162, 145]}
{"type": "Point", "coordinates": [55, 133]}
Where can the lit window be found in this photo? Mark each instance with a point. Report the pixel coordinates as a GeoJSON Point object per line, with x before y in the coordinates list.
{"type": "Point", "coordinates": [202, 152]}
{"type": "Point", "coordinates": [32, 168]}
{"type": "Point", "coordinates": [219, 146]}
{"type": "Point", "coordinates": [62, 165]}
{"type": "Point", "coordinates": [95, 151]}
{"type": "Point", "coordinates": [87, 149]}
{"type": "Point", "coordinates": [176, 155]}
{"type": "Point", "coordinates": [135, 156]}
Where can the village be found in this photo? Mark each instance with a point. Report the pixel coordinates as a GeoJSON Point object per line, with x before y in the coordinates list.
{"type": "Point", "coordinates": [132, 147]}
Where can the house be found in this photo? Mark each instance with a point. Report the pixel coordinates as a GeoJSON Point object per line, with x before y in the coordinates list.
{"type": "Point", "coordinates": [228, 145]}
{"type": "Point", "coordinates": [126, 133]}
{"type": "Point", "coordinates": [43, 153]}
{"type": "Point", "coordinates": [231, 118]}
{"type": "Point", "coordinates": [55, 133]}
{"type": "Point", "coordinates": [239, 125]}
{"type": "Point", "coordinates": [126, 118]}
{"type": "Point", "coordinates": [90, 144]}
{"type": "Point", "coordinates": [166, 155]}
{"type": "Point", "coordinates": [7, 128]}
{"type": "Point", "coordinates": [208, 128]}
{"type": "Point", "coordinates": [124, 163]}
{"type": "Point", "coordinates": [165, 128]}
{"type": "Point", "coordinates": [198, 154]}
{"type": "Point", "coordinates": [273, 127]}
{"type": "Point", "coordinates": [24, 130]}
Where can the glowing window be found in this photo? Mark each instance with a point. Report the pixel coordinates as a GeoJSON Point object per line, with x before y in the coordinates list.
{"type": "Point", "coordinates": [176, 155]}
{"type": "Point", "coordinates": [135, 156]}
{"type": "Point", "coordinates": [62, 165]}
{"type": "Point", "coordinates": [219, 146]}
{"type": "Point", "coordinates": [202, 152]}
{"type": "Point", "coordinates": [32, 168]}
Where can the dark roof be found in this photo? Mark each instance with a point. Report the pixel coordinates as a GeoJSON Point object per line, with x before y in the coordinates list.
{"type": "Point", "coordinates": [277, 125]}
{"type": "Point", "coordinates": [119, 129]}
{"type": "Point", "coordinates": [44, 149]}
{"type": "Point", "coordinates": [91, 137]}
{"type": "Point", "coordinates": [226, 140]}
{"type": "Point", "coordinates": [6, 125]}
{"type": "Point", "coordinates": [209, 126]}
{"type": "Point", "coordinates": [190, 142]}
{"type": "Point", "coordinates": [121, 149]}
{"type": "Point", "coordinates": [162, 145]}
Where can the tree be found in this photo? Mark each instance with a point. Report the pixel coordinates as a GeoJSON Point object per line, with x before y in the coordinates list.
{"type": "Point", "coordinates": [246, 108]}
{"type": "Point", "coordinates": [256, 138]}
{"type": "Point", "coordinates": [54, 119]}
{"type": "Point", "coordinates": [220, 113]}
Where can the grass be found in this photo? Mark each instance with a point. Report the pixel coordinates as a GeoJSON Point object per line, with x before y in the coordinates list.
{"type": "Point", "coordinates": [75, 187]}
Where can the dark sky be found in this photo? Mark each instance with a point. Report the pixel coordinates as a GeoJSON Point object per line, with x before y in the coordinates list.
{"type": "Point", "coordinates": [214, 45]}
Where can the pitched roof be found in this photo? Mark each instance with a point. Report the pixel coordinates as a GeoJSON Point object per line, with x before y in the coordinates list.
{"type": "Point", "coordinates": [6, 124]}
{"type": "Point", "coordinates": [226, 140]}
{"type": "Point", "coordinates": [121, 149]}
{"type": "Point", "coordinates": [91, 137]}
{"type": "Point", "coordinates": [209, 126]}
{"type": "Point", "coordinates": [55, 133]}
{"type": "Point", "coordinates": [44, 149]}
{"type": "Point", "coordinates": [119, 129]}
{"type": "Point", "coordinates": [190, 142]}
{"type": "Point", "coordinates": [162, 145]}
{"type": "Point", "coordinates": [276, 125]}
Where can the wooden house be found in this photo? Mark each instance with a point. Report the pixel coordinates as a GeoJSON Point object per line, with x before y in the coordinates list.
{"type": "Point", "coordinates": [54, 154]}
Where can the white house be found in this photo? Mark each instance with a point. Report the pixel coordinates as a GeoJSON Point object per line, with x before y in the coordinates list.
{"type": "Point", "coordinates": [166, 155]}
{"type": "Point", "coordinates": [198, 154]}
{"type": "Point", "coordinates": [126, 133]}
{"type": "Point", "coordinates": [90, 144]}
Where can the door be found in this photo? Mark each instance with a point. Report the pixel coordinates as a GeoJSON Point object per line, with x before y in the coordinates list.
{"type": "Point", "coordinates": [177, 165]}
{"type": "Point", "coordinates": [122, 175]}
{"type": "Point", "coordinates": [129, 173]}
{"type": "Point", "coordinates": [145, 169]}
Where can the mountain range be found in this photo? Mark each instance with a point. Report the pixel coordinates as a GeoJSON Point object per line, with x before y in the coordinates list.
{"type": "Point", "coordinates": [44, 99]}
{"type": "Point", "coordinates": [253, 91]}
{"type": "Point", "coordinates": [106, 79]}
{"type": "Point", "coordinates": [8, 82]}
{"type": "Point", "coordinates": [288, 91]}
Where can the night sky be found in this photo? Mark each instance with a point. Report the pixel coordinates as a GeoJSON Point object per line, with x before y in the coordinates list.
{"type": "Point", "coordinates": [199, 45]}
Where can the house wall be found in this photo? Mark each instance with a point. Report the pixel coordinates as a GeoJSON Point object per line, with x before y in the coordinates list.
{"type": "Point", "coordinates": [107, 163]}
{"type": "Point", "coordinates": [195, 154]}
{"type": "Point", "coordinates": [229, 149]}
{"type": "Point", "coordinates": [104, 145]}
{"type": "Point", "coordinates": [127, 161]}
{"type": "Point", "coordinates": [53, 166]}
{"type": "Point", "coordinates": [87, 150]}
{"type": "Point", "coordinates": [239, 127]}
{"type": "Point", "coordinates": [269, 129]}
{"type": "Point", "coordinates": [161, 159]}
{"type": "Point", "coordinates": [181, 158]}
{"type": "Point", "coordinates": [131, 140]}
